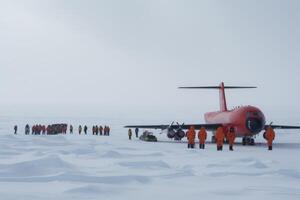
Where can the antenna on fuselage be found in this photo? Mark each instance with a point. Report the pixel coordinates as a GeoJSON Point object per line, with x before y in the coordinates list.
{"type": "Point", "coordinates": [221, 88]}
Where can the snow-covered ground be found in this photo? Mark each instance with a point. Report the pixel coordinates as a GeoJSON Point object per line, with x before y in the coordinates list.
{"type": "Point", "coordinates": [95, 167]}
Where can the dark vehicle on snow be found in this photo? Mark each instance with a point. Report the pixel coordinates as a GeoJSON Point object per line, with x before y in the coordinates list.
{"type": "Point", "coordinates": [148, 137]}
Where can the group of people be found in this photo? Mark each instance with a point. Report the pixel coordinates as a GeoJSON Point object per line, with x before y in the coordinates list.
{"type": "Point", "coordinates": [222, 136]}
{"type": "Point", "coordinates": [43, 129]}
{"type": "Point", "coordinates": [62, 129]}
{"type": "Point", "coordinates": [101, 130]}
{"type": "Point", "coordinates": [130, 133]}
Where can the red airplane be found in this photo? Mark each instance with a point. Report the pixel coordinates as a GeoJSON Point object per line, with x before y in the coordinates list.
{"type": "Point", "coordinates": [247, 121]}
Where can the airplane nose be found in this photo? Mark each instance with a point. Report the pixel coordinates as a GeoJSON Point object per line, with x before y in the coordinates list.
{"type": "Point", "coordinates": [254, 125]}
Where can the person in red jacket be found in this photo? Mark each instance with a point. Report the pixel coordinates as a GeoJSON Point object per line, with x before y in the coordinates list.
{"type": "Point", "coordinates": [220, 138]}
{"type": "Point", "coordinates": [269, 136]}
{"type": "Point", "coordinates": [202, 135]}
{"type": "Point", "coordinates": [33, 130]}
{"type": "Point", "coordinates": [230, 136]}
{"type": "Point", "coordinates": [191, 137]}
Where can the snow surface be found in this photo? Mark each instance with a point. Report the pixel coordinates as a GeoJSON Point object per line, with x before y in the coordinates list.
{"type": "Point", "coordinates": [98, 167]}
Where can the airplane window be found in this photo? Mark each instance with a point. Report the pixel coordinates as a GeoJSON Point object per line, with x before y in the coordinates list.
{"type": "Point", "coordinates": [255, 114]}
{"type": "Point", "coordinates": [251, 114]}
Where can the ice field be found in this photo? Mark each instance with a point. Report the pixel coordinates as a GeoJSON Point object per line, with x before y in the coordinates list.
{"type": "Point", "coordinates": [98, 167]}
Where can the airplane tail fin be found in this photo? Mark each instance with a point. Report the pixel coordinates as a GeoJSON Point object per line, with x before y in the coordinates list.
{"type": "Point", "coordinates": [221, 88]}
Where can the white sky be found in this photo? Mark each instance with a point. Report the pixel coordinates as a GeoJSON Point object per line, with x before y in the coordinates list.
{"type": "Point", "coordinates": [129, 57]}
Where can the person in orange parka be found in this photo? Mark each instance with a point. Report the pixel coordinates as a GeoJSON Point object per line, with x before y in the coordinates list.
{"type": "Point", "coordinates": [202, 135]}
{"type": "Point", "coordinates": [230, 136]}
{"type": "Point", "coordinates": [270, 136]}
{"type": "Point", "coordinates": [220, 138]}
{"type": "Point", "coordinates": [191, 137]}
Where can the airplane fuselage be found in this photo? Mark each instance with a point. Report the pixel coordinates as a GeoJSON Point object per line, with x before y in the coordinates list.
{"type": "Point", "coordinates": [247, 120]}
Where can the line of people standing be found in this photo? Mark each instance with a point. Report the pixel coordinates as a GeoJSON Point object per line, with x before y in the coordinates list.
{"type": "Point", "coordinates": [220, 136]}
{"type": "Point", "coordinates": [130, 133]}
{"type": "Point", "coordinates": [101, 130]}
{"type": "Point", "coordinates": [96, 130]}
{"type": "Point", "coordinates": [45, 130]}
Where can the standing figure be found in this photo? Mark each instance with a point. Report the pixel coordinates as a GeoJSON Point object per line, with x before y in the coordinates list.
{"type": "Point", "coordinates": [71, 129]}
{"type": "Point", "coordinates": [136, 132]}
{"type": "Point", "coordinates": [269, 136]}
{"type": "Point", "coordinates": [85, 129]}
{"type": "Point", "coordinates": [65, 128]}
{"type": "Point", "coordinates": [43, 129]}
{"type": "Point", "coordinates": [129, 134]}
{"type": "Point", "coordinates": [202, 135]}
{"type": "Point", "coordinates": [96, 129]}
{"type": "Point", "coordinates": [27, 129]}
{"type": "Point", "coordinates": [15, 129]}
{"type": "Point", "coordinates": [220, 138]}
{"type": "Point", "coordinates": [105, 130]}
{"type": "Point", "coordinates": [108, 130]}
{"type": "Point", "coordinates": [48, 129]}
{"type": "Point", "coordinates": [39, 129]}
{"type": "Point", "coordinates": [191, 137]}
{"type": "Point", "coordinates": [100, 130]}
{"type": "Point", "coordinates": [230, 138]}
{"type": "Point", "coordinates": [79, 129]}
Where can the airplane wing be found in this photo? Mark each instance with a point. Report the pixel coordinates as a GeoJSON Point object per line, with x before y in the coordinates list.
{"type": "Point", "coordinates": [183, 127]}
{"type": "Point", "coordinates": [283, 127]}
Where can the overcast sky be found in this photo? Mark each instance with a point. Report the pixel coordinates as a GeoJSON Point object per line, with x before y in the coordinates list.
{"type": "Point", "coordinates": [131, 55]}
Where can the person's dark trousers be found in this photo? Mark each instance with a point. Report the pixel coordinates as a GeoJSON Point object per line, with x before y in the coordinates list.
{"type": "Point", "coordinates": [270, 148]}
{"type": "Point", "coordinates": [231, 148]}
{"type": "Point", "coordinates": [219, 148]}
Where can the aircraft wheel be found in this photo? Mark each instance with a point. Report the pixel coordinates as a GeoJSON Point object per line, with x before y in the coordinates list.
{"type": "Point", "coordinates": [252, 142]}
{"type": "Point", "coordinates": [244, 141]}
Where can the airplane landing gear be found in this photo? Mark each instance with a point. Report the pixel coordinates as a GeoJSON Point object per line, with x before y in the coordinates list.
{"type": "Point", "coordinates": [248, 141]}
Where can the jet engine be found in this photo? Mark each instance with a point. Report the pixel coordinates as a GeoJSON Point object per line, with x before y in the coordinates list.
{"type": "Point", "coordinates": [179, 134]}
{"type": "Point", "coordinates": [171, 133]}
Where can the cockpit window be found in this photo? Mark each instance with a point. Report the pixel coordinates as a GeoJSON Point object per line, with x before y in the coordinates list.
{"type": "Point", "coordinates": [253, 114]}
